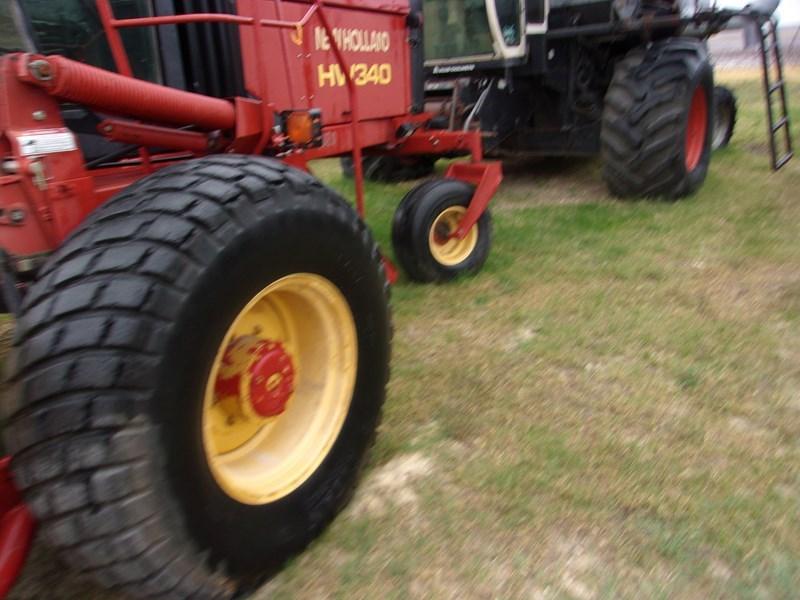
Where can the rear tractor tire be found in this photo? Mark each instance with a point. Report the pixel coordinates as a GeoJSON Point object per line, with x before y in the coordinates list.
{"type": "Point", "coordinates": [724, 116]}
{"type": "Point", "coordinates": [391, 169]}
{"type": "Point", "coordinates": [199, 372]}
{"type": "Point", "coordinates": [657, 121]}
{"type": "Point", "coordinates": [421, 229]}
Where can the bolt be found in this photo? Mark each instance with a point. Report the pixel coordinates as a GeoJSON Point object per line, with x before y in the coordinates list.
{"type": "Point", "coordinates": [230, 421]}
{"type": "Point", "coordinates": [108, 128]}
{"type": "Point", "coordinates": [39, 115]}
{"type": "Point", "coordinates": [41, 70]}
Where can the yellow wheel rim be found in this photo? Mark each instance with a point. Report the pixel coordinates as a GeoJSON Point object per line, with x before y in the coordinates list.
{"type": "Point", "coordinates": [280, 388]}
{"type": "Point", "coordinates": [448, 250]}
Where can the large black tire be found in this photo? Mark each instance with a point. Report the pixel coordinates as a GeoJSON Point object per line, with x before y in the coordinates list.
{"type": "Point", "coordinates": [391, 169]}
{"type": "Point", "coordinates": [724, 116]}
{"type": "Point", "coordinates": [413, 222]}
{"type": "Point", "coordinates": [646, 120]}
{"type": "Point", "coordinates": [110, 363]}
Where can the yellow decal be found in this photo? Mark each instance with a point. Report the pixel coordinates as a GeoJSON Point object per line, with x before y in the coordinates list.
{"type": "Point", "coordinates": [362, 74]}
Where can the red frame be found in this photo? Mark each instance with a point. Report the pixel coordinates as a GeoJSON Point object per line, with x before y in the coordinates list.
{"type": "Point", "coordinates": [72, 191]}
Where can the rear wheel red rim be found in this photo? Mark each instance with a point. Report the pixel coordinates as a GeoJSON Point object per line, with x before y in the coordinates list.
{"type": "Point", "coordinates": [696, 128]}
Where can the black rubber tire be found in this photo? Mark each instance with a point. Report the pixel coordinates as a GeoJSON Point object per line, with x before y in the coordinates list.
{"type": "Point", "coordinates": [391, 169]}
{"type": "Point", "coordinates": [645, 117]}
{"type": "Point", "coordinates": [109, 368]}
{"type": "Point", "coordinates": [724, 116]}
{"type": "Point", "coordinates": [413, 220]}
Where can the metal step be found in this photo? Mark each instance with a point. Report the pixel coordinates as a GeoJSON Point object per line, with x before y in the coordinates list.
{"type": "Point", "coordinates": [780, 123]}
{"type": "Point", "coordinates": [783, 160]}
{"type": "Point", "coordinates": [776, 86]}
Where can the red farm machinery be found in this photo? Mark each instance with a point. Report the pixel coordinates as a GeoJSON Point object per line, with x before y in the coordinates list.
{"type": "Point", "coordinates": [202, 329]}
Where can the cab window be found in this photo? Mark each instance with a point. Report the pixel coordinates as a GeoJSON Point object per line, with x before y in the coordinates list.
{"type": "Point", "coordinates": [456, 28]}
{"type": "Point", "coordinates": [72, 28]}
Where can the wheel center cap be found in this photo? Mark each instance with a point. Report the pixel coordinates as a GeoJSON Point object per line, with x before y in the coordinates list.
{"type": "Point", "coordinates": [271, 379]}
{"type": "Point", "coordinates": [259, 374]}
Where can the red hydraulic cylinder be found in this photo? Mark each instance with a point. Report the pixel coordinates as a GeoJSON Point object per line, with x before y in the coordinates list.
{"type": "Point", "coordinates": [116, 94]}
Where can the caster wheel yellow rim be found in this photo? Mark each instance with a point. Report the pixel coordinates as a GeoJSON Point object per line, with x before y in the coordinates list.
{"type": "Point", "coordinates": [444, 248]}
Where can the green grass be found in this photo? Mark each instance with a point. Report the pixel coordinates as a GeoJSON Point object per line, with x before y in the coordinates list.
{"type": "Point", "coordinates": [611, 409]}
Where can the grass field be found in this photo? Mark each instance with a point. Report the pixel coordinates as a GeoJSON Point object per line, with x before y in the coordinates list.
{"type": "Point", "coordinates": [611, 409]}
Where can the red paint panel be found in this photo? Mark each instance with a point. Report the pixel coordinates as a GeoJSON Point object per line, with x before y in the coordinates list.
{"type": "Point", "coordinates": [301, 71]}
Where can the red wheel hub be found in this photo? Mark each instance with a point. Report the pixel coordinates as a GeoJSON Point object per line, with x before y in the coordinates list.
{"type": "Point", "coordinates": [259, 373]}
{"type": "Point", "coordinates": [696, 128]}
{"type": "Point", "coordinates": [271, 379]}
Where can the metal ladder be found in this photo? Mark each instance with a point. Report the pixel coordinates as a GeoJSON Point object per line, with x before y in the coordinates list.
{"type": "Point", "coordinates": [777, 116]}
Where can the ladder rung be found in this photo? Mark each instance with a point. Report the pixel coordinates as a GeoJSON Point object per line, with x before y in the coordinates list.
{"type": "Point", "coordinates": [783, 160]}
{"type": "Point", "coordinates": [780, 123]}
{"type": "Point", "coordinates": [776, 86]}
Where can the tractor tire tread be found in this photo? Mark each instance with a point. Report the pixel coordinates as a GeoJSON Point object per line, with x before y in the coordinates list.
{"type": "Point", "coordinates": [77, 424]}
{"type": "Point", "coordinates": [643, 120]}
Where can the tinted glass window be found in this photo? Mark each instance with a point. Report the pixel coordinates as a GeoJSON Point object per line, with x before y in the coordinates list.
{"type": "Point", "coordinates": [455, 28]}
{"type": "Point", "coordinates": [72, 28]}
